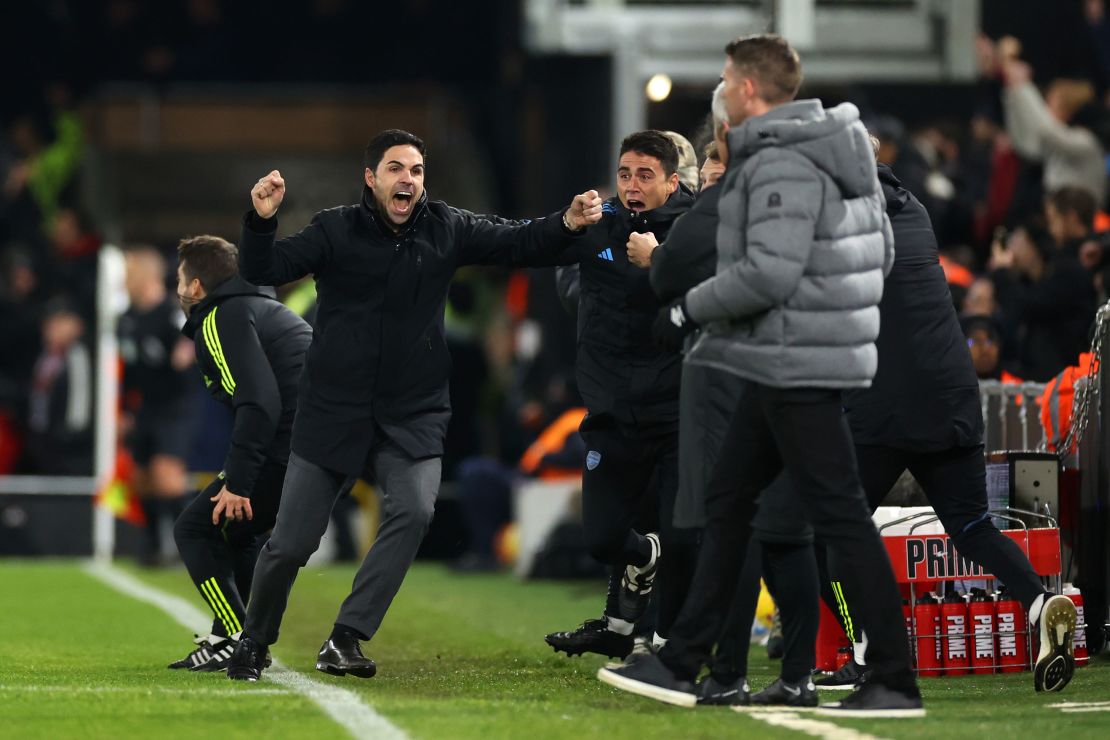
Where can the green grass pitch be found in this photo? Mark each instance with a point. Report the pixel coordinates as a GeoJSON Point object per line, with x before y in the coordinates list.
{"type": "Point", "coordinates": [458, 657]}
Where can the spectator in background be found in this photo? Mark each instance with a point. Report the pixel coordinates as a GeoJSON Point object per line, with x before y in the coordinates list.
{"type": "Point", "coordinates": [157, 413]}
{"type": "Point", "coordinates": [1048, 295]}
{"type": "Point", "coordinates": [984, 340]}
{"type": "Point", "coordinates": [20, 311]}
{"type": "Point", "coordinates": [1048, 129]}
{"type": "Point", "coordinates": [59, 420]}
{"type": "Point", "coordinates": [687, 160]}
{"type": "Point", "coordinates": [1070, 218]}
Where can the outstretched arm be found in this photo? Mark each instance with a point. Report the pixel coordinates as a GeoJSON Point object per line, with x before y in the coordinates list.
{"type": "Point", "coordinates": [538, 243]}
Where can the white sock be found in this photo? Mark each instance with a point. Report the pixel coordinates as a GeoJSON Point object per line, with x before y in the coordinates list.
{"type": "Point", "coordinates": [1035, 610]}
{"type": "Point", "coordinates": [619, 626]}
{"type": "Point", "coordinates": [859, 649]}
{"type": "Point", "coordinates": [657, 641]}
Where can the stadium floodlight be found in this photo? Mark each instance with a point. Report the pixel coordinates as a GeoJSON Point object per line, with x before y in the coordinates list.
{"type": "Point", "coordinates": [658, 88]}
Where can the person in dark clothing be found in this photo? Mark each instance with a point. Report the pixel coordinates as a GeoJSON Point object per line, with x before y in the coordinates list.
{"type": "Point", "coordinates": [1070, 219]}
{"type": "Point", "coordinates": [60, 398]}
{"type": "Point", "coordinates": [922, 413]}
{"type": "Point", "coordinates": [631, 388]}
{"type": "Point", "coordinates": [803, 246]}
{"type": "Point", "coordinates": [157, 417]}
{"type": "Point", "coordinates": [373, 398]}
{"type": "Point", "coordinates": [1049, 295]}
{"type": "Point", "coordinates": [251, 350]}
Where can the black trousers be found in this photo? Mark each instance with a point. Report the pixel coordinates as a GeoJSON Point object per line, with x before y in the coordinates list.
{"type": "Point", "coordinates": [803, 431]}
{"type": "Point", "coordinates": [956, 486]}
{"type": "Point", "coordinates": [221, 558]}
{"type": "Point", "coordinates": [790, 570]}
{"type": "Point", "coordinates": [623, 474]}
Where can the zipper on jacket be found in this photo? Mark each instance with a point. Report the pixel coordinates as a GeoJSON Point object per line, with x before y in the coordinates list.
{"type": "Point", "coordinates": [419, 277]}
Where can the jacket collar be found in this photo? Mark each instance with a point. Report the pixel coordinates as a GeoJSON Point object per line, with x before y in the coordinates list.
{"type": "Point", "coordinates": [370, 214]}
{"type": "Point", "coordinates": [233, 286]}
{"type": "Point", "coordinates": [678, 203]}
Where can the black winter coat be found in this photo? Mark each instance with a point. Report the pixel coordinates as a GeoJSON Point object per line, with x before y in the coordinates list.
{"type": "Point", "coordinates": [251, 350]}
{"type": "Point", "coordinates": [925, 395]}
{"type": "Point", "coordinates": [378, 357]}
{"type": "Point", "coordinates": [621, 374]}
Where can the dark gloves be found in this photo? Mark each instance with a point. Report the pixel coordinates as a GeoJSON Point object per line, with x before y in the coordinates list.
{"type": "Point", "coordinates": [672, 326]}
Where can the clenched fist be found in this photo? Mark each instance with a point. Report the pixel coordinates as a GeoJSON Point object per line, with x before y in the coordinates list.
{"type": "Point", "coordinates": [267, 194]}
{"type": "Point", "coordinates": [584, 210]}
{"type": "Point", "coordinates": [640, 247]}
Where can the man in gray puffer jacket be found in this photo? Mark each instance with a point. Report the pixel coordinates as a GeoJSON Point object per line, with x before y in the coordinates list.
{"type": "Point", "coordinates": [803, 246]}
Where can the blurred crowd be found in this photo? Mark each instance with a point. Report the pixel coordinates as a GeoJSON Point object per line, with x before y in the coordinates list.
{"type": "Point", "coordinates": [1016, 191]}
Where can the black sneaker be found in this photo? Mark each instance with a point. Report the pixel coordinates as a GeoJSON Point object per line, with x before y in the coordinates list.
{"type": "Point", "coordinates": [219, 657]}
{"type": "Point", "coordinates": [247, 661]}
{"type": "Point", "coordinates": [198, 656]}
{"type": "Point", "coordinates": [776, 646]}
{"type": "Point", "coordinates": [848, 677]}
{"type": "Point", "coordinates": [647, 676]}
{"type": "Point", "coordinates": [342, 655]}
{"type": "Point", "coordinates": [1056, 659]}
{"type": "Point", "coordinates": [592, 636]}
{"type": "Point", "coordinates": [712, 692]}
{"type": "Point", "coordinates": [636, 583]}
{"type": "Point", "coordinates": [799, 696]}
{"type": "Point", "coordinates": [874, 699]}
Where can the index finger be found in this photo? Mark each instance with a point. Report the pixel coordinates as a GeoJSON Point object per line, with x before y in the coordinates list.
{"type": "Point", "coordinates": [247, 508]}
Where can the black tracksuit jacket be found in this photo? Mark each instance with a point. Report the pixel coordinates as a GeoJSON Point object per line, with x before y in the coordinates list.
{"type": "Point", "coordinates": [378, 356]}
{"type": "Point", "coordinates": [925, 394]}
{"type": "Point", "coordinates": [251, 350]}
{"type": "Point", "coordinates": [621, 373]}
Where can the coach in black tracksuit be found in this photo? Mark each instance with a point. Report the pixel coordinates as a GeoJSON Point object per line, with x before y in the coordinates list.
{"type": "Point", "coordinates": [373, 398]}
{"type": "Point", "coordinates": [631, 390]}
{"type": "Point", "coordinates": [250, 349]}
{"type": "Point", "coordinates": [922, 411]}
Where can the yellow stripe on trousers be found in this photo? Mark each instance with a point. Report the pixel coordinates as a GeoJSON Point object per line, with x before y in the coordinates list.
{"type": "Point", "coordinates": [842, 605]}
{"type": "Point", "coordinates": [220, 606]}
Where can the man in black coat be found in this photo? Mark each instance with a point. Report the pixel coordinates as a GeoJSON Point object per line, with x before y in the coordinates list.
{"type": "Point", "coordinates": [250, 349]}
{"type": "Point", "coordinates": [630, 387]}
{"type": "Point", "coordinates": [922, 413]}
{"type": "Point", "coordinates": [373, 398]}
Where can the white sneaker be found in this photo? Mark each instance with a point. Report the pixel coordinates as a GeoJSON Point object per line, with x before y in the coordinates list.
{"type": "Point", "coordinates": [1056, 659]}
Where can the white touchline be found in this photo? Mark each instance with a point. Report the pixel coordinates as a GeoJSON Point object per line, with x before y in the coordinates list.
{"type": "Point", "coordinates": [814, 727]}
{"type": "Point", "coordinates": [143, 690]}
{"type": "Point", "coordinates": [342, 705]}
{"type": "Point", "coordinates": [1074, 704]}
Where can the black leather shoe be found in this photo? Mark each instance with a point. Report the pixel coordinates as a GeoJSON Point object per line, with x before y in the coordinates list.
{"type": "Point", "coordinates": [342, 655]}
{"type": "Point", "coordinates": [592, 636]}
{"type": "Point", "coordinates": [247, 661]}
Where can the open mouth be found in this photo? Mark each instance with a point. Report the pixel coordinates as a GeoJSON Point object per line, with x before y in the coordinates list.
{"type": "Point", "coordinates": [635, 205]}
{"type": "Point", "coordinates": [402, 201]}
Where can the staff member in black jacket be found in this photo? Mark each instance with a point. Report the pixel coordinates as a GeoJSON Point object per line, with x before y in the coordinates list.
{"type": "Point", "coordinates": [251, 350]}
{"type": "Point", "coordinates": [922, 413]}
{"type": "Point", "coordinates": [373, 398]}
{"type": "Point", "coordinates": [630, 387]}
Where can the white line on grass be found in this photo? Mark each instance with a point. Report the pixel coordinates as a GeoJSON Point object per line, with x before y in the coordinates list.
{"type": "Point", "coordinates": [1077, 710]}
{"type": "Point", "coordinates": [1074, 704]}
{"type": "Point", "coordinates": [814, 727]}
{"type": "Point", "coordinates": [140, 690]}
{"type": "Point", "coordinates": [342, 705]}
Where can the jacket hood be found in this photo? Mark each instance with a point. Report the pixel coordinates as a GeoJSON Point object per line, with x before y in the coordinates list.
{"type": "Point", "coordinates": [895, 195]}
{"type": "Point", "coordinates": [832, 138]}
{"type": "Point", "coordinates": [233, 286]}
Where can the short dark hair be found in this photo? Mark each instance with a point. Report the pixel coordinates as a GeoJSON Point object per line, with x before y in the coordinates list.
{"type": "Point", "coordinates": [391, 137]}
{"type": "Point", "coordinates": [770, 60]}
{"type": "Point", "coordinates": [207, 258]}
{"type": "Point", "coordinates": [656, 144]}
{"type": "Point", "coordinates": [1078, 200]}
{"type": "Point", "coordinates": [711, 152]}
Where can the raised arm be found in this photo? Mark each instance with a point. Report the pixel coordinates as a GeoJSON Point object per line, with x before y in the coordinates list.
{"type": "Point", "coordinates": [264, 261]}
{"type": "Point", "coordinates": [538, 243]}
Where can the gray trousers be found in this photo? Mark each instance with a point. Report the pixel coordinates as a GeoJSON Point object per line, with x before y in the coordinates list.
{"type": "Point", "coordinates": [409, 488]}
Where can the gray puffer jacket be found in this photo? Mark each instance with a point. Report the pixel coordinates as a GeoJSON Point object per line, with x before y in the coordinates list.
{"type": "Point", "coordinates": [802, 248]}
